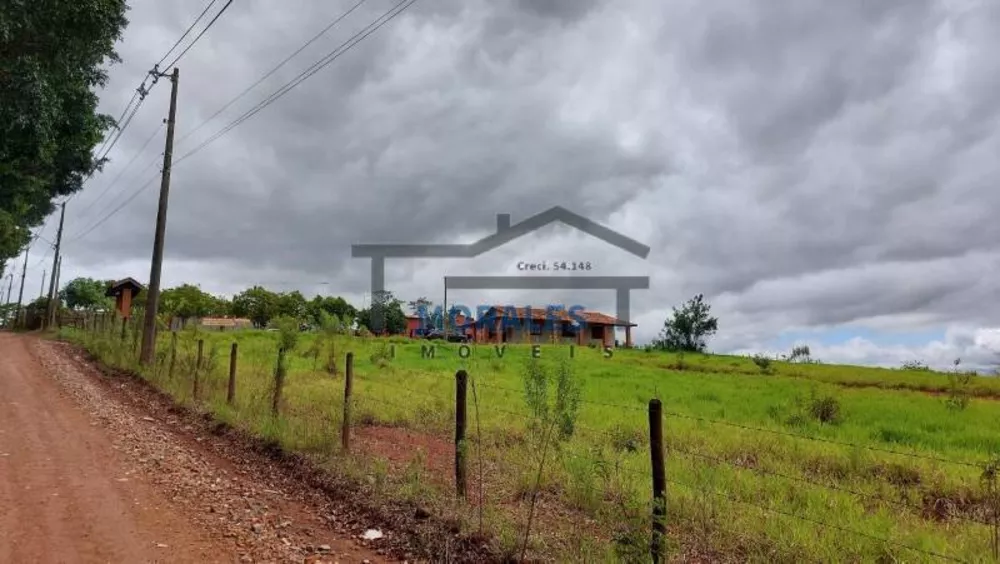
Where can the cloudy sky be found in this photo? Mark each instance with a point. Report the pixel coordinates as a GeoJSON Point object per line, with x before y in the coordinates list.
{"type": "Point", "coordinates": [822, 171]}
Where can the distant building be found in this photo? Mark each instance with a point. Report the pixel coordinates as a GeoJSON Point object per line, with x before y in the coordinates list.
{"type": "Point", "coordinates": [500, 325]}
{"type": "Point", "coordinates": [211, 323]}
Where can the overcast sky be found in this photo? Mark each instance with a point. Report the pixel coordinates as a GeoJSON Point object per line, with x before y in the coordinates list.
{"type": "Point", "coordinates": [824, 172]}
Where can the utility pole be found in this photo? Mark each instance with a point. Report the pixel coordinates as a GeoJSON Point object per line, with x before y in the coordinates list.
{"type": "Point", "coordinates": [41, 288]}
{"type": "Point", "coordinates": [50, 313]}
{"type": "Point", "coordinates": [20, 292]}
{"type": "Point", "coordinates": [153, 292]}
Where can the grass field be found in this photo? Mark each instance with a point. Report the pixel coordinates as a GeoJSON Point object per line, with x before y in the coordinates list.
{"type": "Point", "coordinates": [894, 474]}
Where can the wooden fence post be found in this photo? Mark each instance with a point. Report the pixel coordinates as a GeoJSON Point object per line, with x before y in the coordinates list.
{"type": "Point", "coordinates": [231, 393]}
{"type": "Point", "coordinates": [173, 354]}
{"type": "Point", "coordinates": [461, 382]}
{"type": "Point", "coordinates": [197, 368]}
{"type": "Point", "coordinates": [279, 383]}
{"type": "Point", "coordinates": [345, 425]}
{"type": "Point", "coordinates": [656, 453]}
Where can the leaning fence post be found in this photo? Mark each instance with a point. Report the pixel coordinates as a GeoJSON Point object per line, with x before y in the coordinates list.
{"type": "Point", "coordinates": [345, 425]}
{"type": "Point", "coordinates": [231, 393]}
{"type": "Point", "coordinates": [197, 368]}
{"type": "Point", "coordinates": [279, 383]}
{"type": "Point", "coordinates": [656, 453]}
{"type": "Point", "coordinates": [461, 380]}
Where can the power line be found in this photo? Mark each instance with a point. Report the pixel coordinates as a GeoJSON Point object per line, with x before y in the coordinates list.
{"type": "Point", "coordinates": [119, 120]}
{"type": "Point", "coordinates": [116, 210]}
{"type": "Point", "coordinates": [139, 96]}
{"type": "Point", "coordinates": [316, 67]}
{"type": "Point", "coordinates": [122, 173]}
{"type": "Point", "coordinates": [329, 58]}
{"type": "Point", "coordinates": [186, 32]}
{"type": "Point", "coordinates": [207, 27]}
{"type": "Point", "coordinates": [148, 166]}
{"type": "Point", "coordinates": [273, 70]}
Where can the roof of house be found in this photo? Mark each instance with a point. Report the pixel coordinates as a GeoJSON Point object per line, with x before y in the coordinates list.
{"type": "Point", "coordinates": [120, 285]}
{"type": "Point", "coordinates": [542, 314]}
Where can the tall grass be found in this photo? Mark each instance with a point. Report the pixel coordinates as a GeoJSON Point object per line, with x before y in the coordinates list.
{"type": "Point", "coordinates": [743, 482]}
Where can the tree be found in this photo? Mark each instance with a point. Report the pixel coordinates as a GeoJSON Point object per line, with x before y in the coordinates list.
{"type": "Point", "coordinates": [53, 55]}
{"type": "Point", "coordinates": [292, 304]}
{"type": "Point", "coordinates": [392, 309]}
{"type": "Point", "coordinates": [85, 293]}
{"type": "Point", "coordinates": [258, 304]}
{"type": "Point", "coordinates": [689, 328]}
{"type": "Point", "coordinates": [337, 307]}
{"type": "Point", "coordinates": [420, 306]}
{"type": "Point", "coordinates": [187, 301]}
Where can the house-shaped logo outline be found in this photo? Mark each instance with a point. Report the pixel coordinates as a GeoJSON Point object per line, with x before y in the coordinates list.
{"type": "Point", "coordinates": [506, 233]}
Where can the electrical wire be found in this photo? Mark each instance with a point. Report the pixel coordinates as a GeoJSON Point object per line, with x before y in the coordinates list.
{"type": "Point", "coordinates": [273, 70]}
{"type": "Point", "coordinates": [186, 32]}
{"type": "Point", "coordinates": [122, 173]}
{"type": "Point", "coordinates": [329, 58]}
{"type": "Point", "coordinates": [305, 75]}
{"type": "Point", "coordinates": [207, 27]}
{"type": "Point", "coordinates": [77, 238]}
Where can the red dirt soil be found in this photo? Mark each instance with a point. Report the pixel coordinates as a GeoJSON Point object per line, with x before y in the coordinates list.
{"type": "Point", "coordinates": [84, 478]}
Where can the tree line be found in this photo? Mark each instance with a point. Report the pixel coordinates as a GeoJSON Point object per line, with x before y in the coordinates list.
{"type": "Point", "coordinates": [688, 328]}
{"type": "Point", "coordinates": [258, 304]}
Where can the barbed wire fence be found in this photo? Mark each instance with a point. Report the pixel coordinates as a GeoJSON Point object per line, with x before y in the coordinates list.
{"type": "Point", "coordinates": [211, 377]}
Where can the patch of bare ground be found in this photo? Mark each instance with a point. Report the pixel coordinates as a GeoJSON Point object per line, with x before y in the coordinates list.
{"type": "Point", "coordinates": [558, 530]}
{"type": "Point", "coordinates": [275, 505]}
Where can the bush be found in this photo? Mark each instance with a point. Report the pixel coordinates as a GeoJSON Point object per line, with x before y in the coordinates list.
{"type": "Point", "coordinates": [562, 413]}
{"type": "Point", "coordinates": [381, 354]}
{"type": "Point", "coordinates": [915, 365]}
{"type": "Point", "coordinates": [288, 332]}
{"type": "Point", "coordinates": [825, 409]}
{"type": "Point", "coordinates": [763, 362]}
{"type": "Point", "coordinates": [958, 390]}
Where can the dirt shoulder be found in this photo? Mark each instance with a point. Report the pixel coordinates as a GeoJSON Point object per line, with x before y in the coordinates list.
{"type": "Point", "coordinates": [88, 476]}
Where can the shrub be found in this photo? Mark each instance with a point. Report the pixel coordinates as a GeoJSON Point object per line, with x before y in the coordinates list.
{"type": "Point", "coordinates": [958, 390]}
{"type": "Point", "coordinates": [568, 391]}
{"type": "Point", "coordinates": [381, 354]}
{"type": "Point", "coordinates": [288, 332]}
{"type": "Point", "coordinates": [763, 362]}
{"type": "Point", "coordinates": [825, 409]}
{"type": "Point", "coordinates": [562, 412]}
{"type": "Point", "coordinates": [915, 365]}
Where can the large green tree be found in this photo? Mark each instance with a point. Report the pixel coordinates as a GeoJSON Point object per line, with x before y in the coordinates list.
{"type": "Point", "coordinates": [257, 304]}
{"type": "Point", "coordinates": [292, 304]}
{"type": "Point", "coordinates": [333, 306]}
{"type": "Point", "coordinates": [689, 328]}
{"type": "Point", "coordinates": [86, 293]}
{"type": "Point", "coordinates": [53, 56]}
{"type": "Point", "coordinates": [394, 320]}
{"type": "Point", "coordinates": [188, 300]}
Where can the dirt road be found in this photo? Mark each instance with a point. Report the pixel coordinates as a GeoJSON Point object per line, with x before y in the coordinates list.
{"type": "Point", "coordinates": [84, 479]}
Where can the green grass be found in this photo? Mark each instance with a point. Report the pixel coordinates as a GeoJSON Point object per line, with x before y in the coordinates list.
{"type": "Point", "coordinates": [752, 474]}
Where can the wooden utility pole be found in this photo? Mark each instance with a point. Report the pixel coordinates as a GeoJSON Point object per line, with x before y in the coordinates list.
{"type": "Point", "coordinates": [153, 292]}
{"type": "Point", "coordinates": [55, 296]}
{"type": "Point", "coordinates": [20, 293]}
{"type": "Point", "coordinates": [50, 312]}
{"type": "Point", "coordinates": [10, 287]}
{"type": "Point", "coordinates": [41, 288]}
